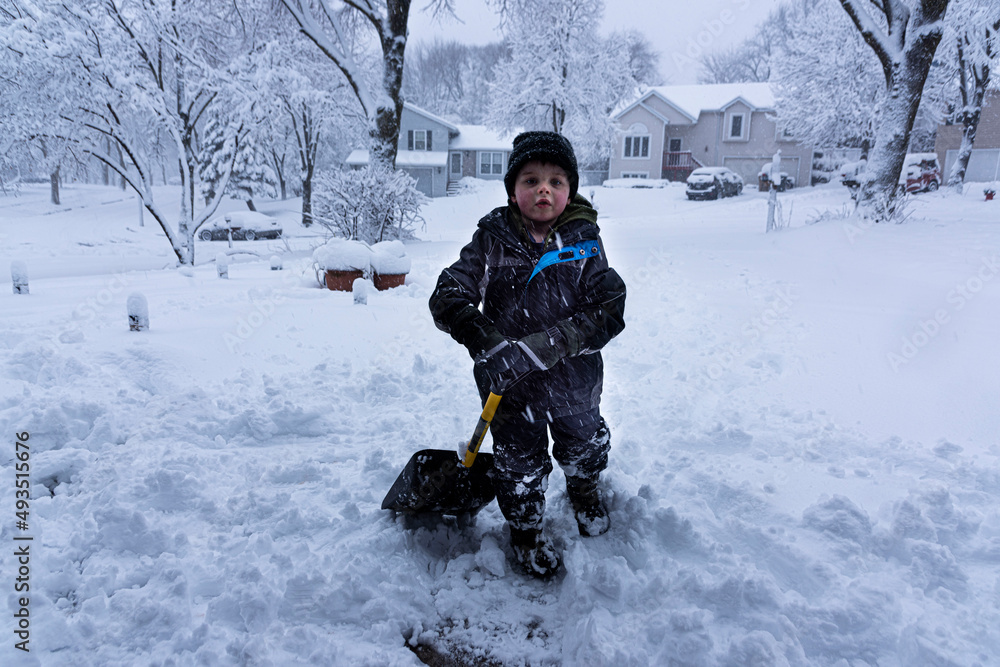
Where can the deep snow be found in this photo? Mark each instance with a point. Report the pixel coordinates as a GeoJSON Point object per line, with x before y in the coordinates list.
{"type": "Point", "coordinates": [804, 429]}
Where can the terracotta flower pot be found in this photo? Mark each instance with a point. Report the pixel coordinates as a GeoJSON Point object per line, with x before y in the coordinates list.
{"type": "Point", "coordinates": [342, 281]}
{"type": "Point", "coordinates": [989, 196]}
{"type": "Point", "coordinates": [384, 281]}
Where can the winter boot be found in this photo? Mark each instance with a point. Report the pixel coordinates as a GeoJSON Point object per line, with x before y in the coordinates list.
{"type": "Point", "coordinates": [591, 516]}
{"type": "Point", "coordinates": [535, 552]}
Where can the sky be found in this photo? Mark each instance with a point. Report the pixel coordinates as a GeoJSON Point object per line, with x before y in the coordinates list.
{"type": "Point", "coordinates": [680, 31]}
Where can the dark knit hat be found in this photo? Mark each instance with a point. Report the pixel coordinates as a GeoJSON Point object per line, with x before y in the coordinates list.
{"type": "Point", "coordinates": [546, 147]}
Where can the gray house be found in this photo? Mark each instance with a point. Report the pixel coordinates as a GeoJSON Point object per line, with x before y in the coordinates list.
{"type": "Point", "coordinates": [438, 153]}
{"type": "Point", "coordinates": [671, 130]}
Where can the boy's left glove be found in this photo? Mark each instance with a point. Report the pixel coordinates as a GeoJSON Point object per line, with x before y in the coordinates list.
{"type": "Point", "coordinates": [509, 362]}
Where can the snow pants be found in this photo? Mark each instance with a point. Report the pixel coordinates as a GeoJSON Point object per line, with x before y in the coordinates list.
{"type": "Point", "coordinates": [580, 444]}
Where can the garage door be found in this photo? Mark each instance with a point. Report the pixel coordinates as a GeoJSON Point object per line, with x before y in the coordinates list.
{"type": "Point", "coordinates": [425, 180]}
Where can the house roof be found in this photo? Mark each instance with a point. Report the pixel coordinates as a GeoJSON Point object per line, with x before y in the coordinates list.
{"type": "Point", "coordinates": [429, 115]}
{"type": "Point", "coordinates": [479, 137]}
{"type": "Point", "coordinates": [692, 100]}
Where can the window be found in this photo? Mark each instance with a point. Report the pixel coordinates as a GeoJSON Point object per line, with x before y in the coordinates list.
{"type": "Point", "coordinates": [419, 140]}
{"type": "Point", "coordinates": [737, 126]}
{"type": "Point", "coordinates": [636, 147]}
{"type": "Point", "coordinates": [635, 174]}
{"type": "Point", "coordinates": [490, 163]}
{"type": "Point", "coordinates": [675, 145]}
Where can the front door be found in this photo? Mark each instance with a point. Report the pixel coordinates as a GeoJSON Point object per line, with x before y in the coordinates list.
{"type": "Point", "coordinates": [456, 166]}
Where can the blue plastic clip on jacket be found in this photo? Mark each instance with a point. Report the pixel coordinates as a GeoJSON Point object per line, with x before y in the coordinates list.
{"type": "Point", "coordinates": [569, 253]}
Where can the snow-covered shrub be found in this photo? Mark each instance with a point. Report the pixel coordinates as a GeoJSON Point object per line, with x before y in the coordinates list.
{"type": "Point", "coordinates": [371, 204]}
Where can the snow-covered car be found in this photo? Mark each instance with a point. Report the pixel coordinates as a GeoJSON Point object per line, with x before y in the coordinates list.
{"type": "Point", "coordinates": [850, 174]}
{"type": "Point", "coordinates": [713, 183]}
{"type": "Point", "coordinates": [921, 173]}
{"type": "Point", "coordinates": [782, 183]}
{"type": "Point", "coordinates": [245, 226]}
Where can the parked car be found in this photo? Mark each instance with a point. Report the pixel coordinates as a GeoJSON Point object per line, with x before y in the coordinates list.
{"type": "Point", "coordinates": [782, 183]}
{"type": "Point", "coordinates": [245, 226]}
{"type": "Point", "coordinates": [850, 174]}
{"type": "Point", "coordinates": [713, 183]}
{"type": "Point", "coordinates": [921, 173]}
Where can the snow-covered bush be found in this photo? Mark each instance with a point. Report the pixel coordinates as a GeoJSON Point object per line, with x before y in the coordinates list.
{"type": "Point", "coordinates": [371, 204]}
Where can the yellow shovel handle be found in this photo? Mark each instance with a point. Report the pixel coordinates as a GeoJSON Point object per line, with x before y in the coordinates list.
{"type": "Point", "coordinates": [481, 427]}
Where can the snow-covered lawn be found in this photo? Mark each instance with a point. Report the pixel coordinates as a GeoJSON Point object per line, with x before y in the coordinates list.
{"type": "Point", "coordinates": [804, 427]}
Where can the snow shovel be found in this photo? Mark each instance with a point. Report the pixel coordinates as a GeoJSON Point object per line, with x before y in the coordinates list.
{"type": "Point", "coordinates": [438, 481]}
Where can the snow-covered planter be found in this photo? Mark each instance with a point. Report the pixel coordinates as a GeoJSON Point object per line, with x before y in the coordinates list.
{"type": "Point", "coordinates": [389, 264]}
{"type": "Point", "coordinates": [990, 193]}
{"type": "Point", "coordinates": [341, 262]}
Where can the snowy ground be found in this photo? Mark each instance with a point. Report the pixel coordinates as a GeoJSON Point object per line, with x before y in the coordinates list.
{"type": "Point", "coordinates": [804, 466]}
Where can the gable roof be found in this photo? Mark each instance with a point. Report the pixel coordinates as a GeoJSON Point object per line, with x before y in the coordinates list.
{"type": "Point", "coordinates": [427, 114]}
{"type": "Point", "coordinates": [692, 100]}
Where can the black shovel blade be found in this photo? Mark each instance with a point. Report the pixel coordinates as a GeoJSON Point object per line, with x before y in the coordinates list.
{"type": "Point", "coordinates": [434, 480]}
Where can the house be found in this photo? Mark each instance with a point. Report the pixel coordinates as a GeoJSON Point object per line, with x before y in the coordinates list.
{"type": "Point", "coordinates": [671, 130]}
{"type": "Point", "coordinates": [438, 153]}
{"type": "Point", "coordinates": [984, 163]}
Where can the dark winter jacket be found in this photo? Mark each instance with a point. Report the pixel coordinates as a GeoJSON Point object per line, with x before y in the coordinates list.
{"type": "Point", "coordinates": [582, 300]}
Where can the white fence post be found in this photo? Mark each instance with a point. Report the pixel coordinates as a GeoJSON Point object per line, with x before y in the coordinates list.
{"type": "Point", "coordinates": [19, 276]}
{"type": "Point", "coordinates": [772, 197]}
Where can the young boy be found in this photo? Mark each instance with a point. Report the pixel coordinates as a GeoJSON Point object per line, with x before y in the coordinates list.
{"type": "Point", "coordinates": [550, 302]}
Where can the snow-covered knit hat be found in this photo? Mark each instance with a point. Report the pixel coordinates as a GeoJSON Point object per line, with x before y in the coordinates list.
{"type": "Point", "coordinates": [544, 146]}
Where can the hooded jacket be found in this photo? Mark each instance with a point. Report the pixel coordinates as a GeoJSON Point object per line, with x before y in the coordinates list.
{"type": "Point", "coordinates": [580, 302]}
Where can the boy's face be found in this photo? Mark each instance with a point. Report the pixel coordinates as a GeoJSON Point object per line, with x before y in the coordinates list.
{"type": "Point", "coordinates": [541, 191]}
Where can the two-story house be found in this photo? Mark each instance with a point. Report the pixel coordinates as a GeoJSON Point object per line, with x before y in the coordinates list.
{"type": "Point", "coordinates": [438, 153]}
{"type": "Point", "coordinates": [984, 163]}
{"type": "Point", "coordinates": [671, 130]}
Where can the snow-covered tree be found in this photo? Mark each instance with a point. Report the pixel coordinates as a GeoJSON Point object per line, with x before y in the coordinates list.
{"type": "Point", "coordinates": [827, 82]}
{"type": "Point", "coordinates": [151, 70]}
{"type": "Point", "coordinates": [903, 34]}
{"type": "Point", "coordinates": [308, 106]}
{"type": "Point", "coordinates": [329, 24]}
{"type": "Point", "coordinates": [562, 75]}
{"type": "Point", "coordinates": [36, 93]}
{"type": "Point", "coordinates": [974, 46]}
{"type": "Point", "coordinates": [250, 173]}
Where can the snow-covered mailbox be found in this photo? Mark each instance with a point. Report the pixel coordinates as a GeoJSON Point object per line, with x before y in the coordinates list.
{"type": "Point", "coordinates": [341, 262]}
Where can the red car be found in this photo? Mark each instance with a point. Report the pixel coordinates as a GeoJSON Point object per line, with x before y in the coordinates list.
{"type": "Point", "coordinates": [921, 173]}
